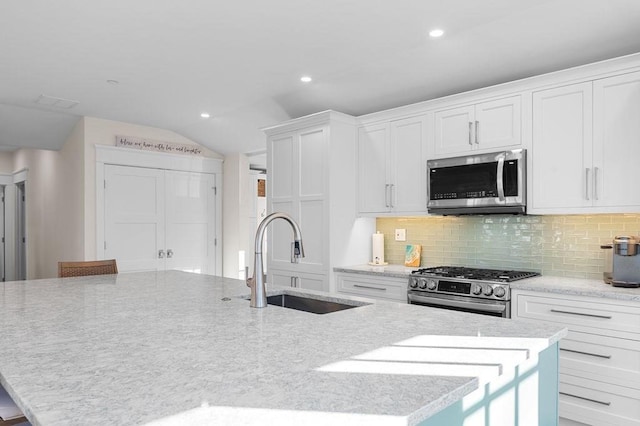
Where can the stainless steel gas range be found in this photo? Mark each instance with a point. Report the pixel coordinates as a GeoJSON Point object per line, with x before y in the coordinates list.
{"type": "Point", "coordinates": [483, 291]}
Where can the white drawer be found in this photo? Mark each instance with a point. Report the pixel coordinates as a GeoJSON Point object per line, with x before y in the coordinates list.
{"type": "Point", "coordinates": [598, 403]}
{"type": "Point", "coordinates": [603, 358]}
{"type": "Point", "coordinates": [598, 317]}
{"type": "Point", "coordinates": [385, 288]}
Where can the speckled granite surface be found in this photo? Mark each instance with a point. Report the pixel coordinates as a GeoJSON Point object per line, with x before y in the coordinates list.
{"type": "Point", "coordinates": [395, 271]}
{"type": "Point", "coordinates": [577, 287]}
{"type": "Point", "coordinates": [177, 348]}
{"type": "Point", "coordinates": [549, 284]}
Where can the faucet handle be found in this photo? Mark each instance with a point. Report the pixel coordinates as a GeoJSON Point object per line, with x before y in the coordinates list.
{"type": "Point", "coordinates": [296, 251]}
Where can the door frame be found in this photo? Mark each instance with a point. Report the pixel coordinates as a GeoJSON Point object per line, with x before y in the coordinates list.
{"type": "Point", "coordinates": [111, 155]}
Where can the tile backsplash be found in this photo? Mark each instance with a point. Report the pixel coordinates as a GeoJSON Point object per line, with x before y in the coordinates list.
{"type": "Point", "coordinates": [567, 246]}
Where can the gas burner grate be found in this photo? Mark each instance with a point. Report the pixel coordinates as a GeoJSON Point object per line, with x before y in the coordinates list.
{"type": "Point", "coordinates": [499, 275]}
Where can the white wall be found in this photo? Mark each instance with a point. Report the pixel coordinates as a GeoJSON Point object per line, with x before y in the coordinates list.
{"type": "Point", "coordinates": [236, 205]}
{"type": "Point", "coordinates": [6, 162]}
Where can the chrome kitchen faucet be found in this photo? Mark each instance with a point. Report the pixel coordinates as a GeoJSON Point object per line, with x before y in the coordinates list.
{"type": "Point", "coordinates": [257, 283]}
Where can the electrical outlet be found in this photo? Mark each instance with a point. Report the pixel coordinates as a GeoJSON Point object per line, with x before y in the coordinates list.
{"type": "Point", "coordinates": [401, 235]}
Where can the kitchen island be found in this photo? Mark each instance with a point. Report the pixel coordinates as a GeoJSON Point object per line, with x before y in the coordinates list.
{"type": "Point", "coordinates": [169, 348]}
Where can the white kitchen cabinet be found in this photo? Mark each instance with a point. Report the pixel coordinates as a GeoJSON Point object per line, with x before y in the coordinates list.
{"type": "Point", "coordinates": [484, 126]}
{"type": "Point", "coordinates": [301, 280]}
{"type": "Point", "coordinates": [377, 287]}
{"type": "Point", "coordinates": [584, 143]}
{"type": "Point", "coordinates": [311, 167]}
{"type": "Point", "coordinates": [600, 357]}
{"type": "Point", "coordinates": [392, 167]}
{"type": "Point", "coordinates": [561, 150]}
{"type": "Point", "coordinates": [616, 132]}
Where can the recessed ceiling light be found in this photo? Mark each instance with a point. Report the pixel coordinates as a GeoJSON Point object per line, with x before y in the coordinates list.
{"type": "Point", "coordinates": [305, 79]}
{"type": "Point", "coordinates": [205, 115]}
{"type": "Point", "coordinates": [436, 33]}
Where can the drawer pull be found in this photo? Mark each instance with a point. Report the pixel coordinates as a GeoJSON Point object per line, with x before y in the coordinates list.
{"type": "Point", "coordinates": [370, 287]}
{"type": "Point", "coordinates": [586, 353]}
{"type": "Point", "coordinates": [585, 399]}
{"type": "Point", "coordinates": [581, 314]}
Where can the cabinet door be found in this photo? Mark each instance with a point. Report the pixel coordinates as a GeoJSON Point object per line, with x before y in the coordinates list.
{"type": "Point", "coordinates": [299, 280]}
{"type": "Point", "coordinates": [408, 165]}
{"type": "Point", "coordinates": [134, 217]}
{"type": "Point", "coordinates": [298, 168]}
{"type": "Point", "coordinates": [498, 124]}
{"type": "Point", "coordinates": [190, 222]}
{"type": "Point", "coordinates": [561, 148]}
{"type": "Point", "coordinates": [454, 130]}
{"type": "Point", "coordinates": [373, 182]}
{"type": "Point", "coordinates": [616, 127]}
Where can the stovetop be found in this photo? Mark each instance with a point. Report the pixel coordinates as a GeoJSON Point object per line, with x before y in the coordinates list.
{"type": "Point", "coordinates": [496, 275]}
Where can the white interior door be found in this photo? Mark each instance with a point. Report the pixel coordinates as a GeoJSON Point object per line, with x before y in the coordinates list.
{"type": "Point", "coordinates": [134, 217]}
{"type": "Point", "coordinates": [190, 224]}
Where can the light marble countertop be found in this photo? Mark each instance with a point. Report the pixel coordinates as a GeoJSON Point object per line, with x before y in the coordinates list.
{"type": "Point", "coordinates": [577, 287]}
{"type": "Point", "coordinates": [394, 271]}
{"type": "Point", "coordinates": [545, 283]}
{"type": "Point", "coordinates": [169, 348]}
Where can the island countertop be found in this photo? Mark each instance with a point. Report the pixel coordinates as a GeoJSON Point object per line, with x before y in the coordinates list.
{"type": "Point", "coordinates": [178, 348]}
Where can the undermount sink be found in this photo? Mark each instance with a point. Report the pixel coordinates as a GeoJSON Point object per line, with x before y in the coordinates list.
{"type": "Point", "coordinates": [308, 304]}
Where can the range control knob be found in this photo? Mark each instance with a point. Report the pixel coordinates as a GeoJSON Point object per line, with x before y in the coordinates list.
{"type": "Point", "coordinates": [413, 283]}
{"type": "Point", "coordinates": [499, 292]}
{"type": "Point", "coordinates": [488, 290]}
{"type": "Point", "coordinates": [431, 284]}
{"type": "Point", "coordinates": [476, 289]}
{"type": "Point", "coordinates": [422, 283]}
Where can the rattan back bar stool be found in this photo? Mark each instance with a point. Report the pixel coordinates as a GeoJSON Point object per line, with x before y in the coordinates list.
{"type": "Point", "coordinates": [89, 267]}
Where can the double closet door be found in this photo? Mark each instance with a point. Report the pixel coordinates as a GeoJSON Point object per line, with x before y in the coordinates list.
{"type": "Point", "coordinates": [160, 219]}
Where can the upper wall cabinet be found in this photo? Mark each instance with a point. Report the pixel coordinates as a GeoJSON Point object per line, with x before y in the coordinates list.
{"type": "Point", "coordinates": [392, 167]}
{"type": "Point", "coordinates": [483, 126]}
{"type": "Point", "coordinates": [585, 143]}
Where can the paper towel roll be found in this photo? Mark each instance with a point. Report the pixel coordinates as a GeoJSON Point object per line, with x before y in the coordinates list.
{"type": "Point", "coordinates": [377, 249]}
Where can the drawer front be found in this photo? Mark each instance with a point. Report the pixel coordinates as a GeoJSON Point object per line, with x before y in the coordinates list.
{"type": "Point", "coordinates": [602, 358]}
{"type": "Point", "coordinates": [375, 287]}
{"type": "Point", "coordinates": [598, 403]}
{"type": "Point", "coordinates": [618, 320]}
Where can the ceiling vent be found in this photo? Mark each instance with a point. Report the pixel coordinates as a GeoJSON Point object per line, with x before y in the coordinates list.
{"type": "Point", "coordinates": [56, 102]}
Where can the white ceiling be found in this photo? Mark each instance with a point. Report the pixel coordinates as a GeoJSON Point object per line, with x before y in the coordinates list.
{"type": "Point", "coordinates": [241, 60]}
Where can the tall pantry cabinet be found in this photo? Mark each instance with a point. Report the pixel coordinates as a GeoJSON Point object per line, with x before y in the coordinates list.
{"type": "Point", "coordinates": [311, 169]}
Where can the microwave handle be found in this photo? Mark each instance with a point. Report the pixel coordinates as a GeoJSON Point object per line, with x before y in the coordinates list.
{"type": "Point", "coordinates": [499, 177]}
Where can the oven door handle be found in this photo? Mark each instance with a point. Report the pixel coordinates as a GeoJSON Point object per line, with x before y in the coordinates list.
{"type": "Point", "coordinates": [499, 181]}
{"type": "Point", "coordinates": [456, 303]}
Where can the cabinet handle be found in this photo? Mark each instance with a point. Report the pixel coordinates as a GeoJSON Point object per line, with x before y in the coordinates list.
{"type": "Point", "coordinates": [586, 183]}
{"type": "Point", "coordinates": [391, 195]}
{"type": "Point", "coordinates": [581, 314]}
{"type": "Point", "coordinates": [470, 133]}
{"type": "Point", "coordinates": [169, 254]}
{"type": "Point", "coordinates": [595, 183]}
{"type": "Point", "coordinates": [294, 282]}
{"type": "Point", "coordinates": [160, 254]}
{"type": "Point", "coordinates": [584, 398]}
{"type": "Point", "coordinates": [386, 195]}
{"type": "Point", "coordinates": [477, 132]}
{"type": "Point", "coordinates": [586, 353]}
{"type": "Point", "coordinates": [370, 287]}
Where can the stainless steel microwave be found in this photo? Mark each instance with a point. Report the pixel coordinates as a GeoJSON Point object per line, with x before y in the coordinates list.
{"type": "Point", "coordinates": [478, 184]}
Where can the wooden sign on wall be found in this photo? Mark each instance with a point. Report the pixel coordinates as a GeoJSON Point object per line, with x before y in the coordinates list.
{"type": "Point", "coordinates": [262, 188]}
{"type": "Point", "coordinates": [158, 146]}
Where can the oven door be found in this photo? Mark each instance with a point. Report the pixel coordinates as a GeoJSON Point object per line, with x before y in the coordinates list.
{"type": "Point", "coordinates": [496, 308]}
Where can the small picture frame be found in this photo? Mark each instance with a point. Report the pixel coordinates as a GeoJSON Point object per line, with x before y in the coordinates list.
{"type": "Point", "coordinates": [412, 255]}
